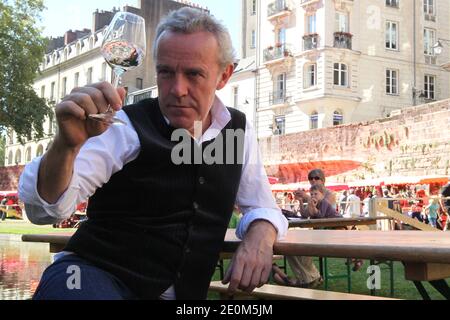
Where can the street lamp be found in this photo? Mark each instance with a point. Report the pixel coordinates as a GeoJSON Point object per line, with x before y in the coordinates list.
{"type": "Point", "coordinates": [438, 46]}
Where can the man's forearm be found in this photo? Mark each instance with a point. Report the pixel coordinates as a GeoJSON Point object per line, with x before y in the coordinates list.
{"type": "Point", "coordinates": [55, 171]}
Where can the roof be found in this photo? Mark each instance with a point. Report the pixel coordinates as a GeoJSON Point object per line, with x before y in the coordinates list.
{"type": "Point", "coordinates": [246, 64]}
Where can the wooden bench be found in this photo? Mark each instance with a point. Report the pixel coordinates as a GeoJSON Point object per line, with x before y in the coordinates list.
{"type": "Point", "coordinates": [276, 292]}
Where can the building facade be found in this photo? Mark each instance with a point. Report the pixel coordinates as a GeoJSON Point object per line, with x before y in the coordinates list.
{"type": "Point", "coordinates": [327, 62]}
{"type": "Point", "coordinates": [75, 60]}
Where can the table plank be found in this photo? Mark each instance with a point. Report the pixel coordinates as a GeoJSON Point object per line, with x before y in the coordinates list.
{"type": "Point", "coordinates": [408, 246]}
{"type": "Point", "coordinates": [333, 222]}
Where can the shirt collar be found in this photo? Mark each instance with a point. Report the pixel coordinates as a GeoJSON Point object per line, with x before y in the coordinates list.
{"type": "Point", "coordinates": [220, 116]}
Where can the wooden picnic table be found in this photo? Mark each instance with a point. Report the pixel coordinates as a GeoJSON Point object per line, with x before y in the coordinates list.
{"type": "Point", "coordinates": [425, 255]}
{"type": "Point", "coordinates": [333, 222]}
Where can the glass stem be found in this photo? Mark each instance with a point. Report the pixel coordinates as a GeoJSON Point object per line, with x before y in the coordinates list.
{"type": "Point", "coordinates": [117, 77]}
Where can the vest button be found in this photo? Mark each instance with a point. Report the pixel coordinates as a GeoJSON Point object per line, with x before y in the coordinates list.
{"type": "Point", "coordinates": [179, 275]}
{"type": "Point", "coordinates": [187, 250]}
{"type": "Point", "coordinates": [195, 206]}
{"type": "Point", "coordinates": [202, 180]}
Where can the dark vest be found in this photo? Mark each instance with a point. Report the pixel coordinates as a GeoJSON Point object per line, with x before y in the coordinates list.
{"type": "Point", "coordinates": [157, 224]}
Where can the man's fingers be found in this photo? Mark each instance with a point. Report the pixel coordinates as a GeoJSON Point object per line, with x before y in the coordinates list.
{"type": "Point", "coordinates": [113, 96]}
{"type": "Point", "coordinates": [264, 276]}
{"type": "Point", "coordinates": [122, 93]}
{"type": "Point", "coordinates": [70, 109]}
{"type": "Point", "coordinates": [255, 280]}
{"type": "Point", "coordinates": [236, 272]}
{"type": "Point", "coordinates": [228, 273]}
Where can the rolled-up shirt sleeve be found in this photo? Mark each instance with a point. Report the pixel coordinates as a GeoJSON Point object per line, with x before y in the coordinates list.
{"type": "Point", "coordinates": [99, 158]}
{"type": "Point", "coordinates": [254, 196]}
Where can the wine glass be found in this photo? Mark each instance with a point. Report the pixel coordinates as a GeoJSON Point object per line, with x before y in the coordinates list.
{"type": "Point", "coordinates": [123, 48]}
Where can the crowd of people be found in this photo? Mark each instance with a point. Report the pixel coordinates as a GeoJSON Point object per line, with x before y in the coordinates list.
{"type": "Point", "coordinates": [414, 201]}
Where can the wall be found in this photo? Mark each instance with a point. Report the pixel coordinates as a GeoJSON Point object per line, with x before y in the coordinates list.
{"type": "Point", "coordinates": [414, 143]}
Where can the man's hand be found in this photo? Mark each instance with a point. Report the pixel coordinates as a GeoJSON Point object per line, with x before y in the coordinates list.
{"type": "Point", "coordinates": [72, 113]}
{"type": "Point", "coordinates": [252, 263]}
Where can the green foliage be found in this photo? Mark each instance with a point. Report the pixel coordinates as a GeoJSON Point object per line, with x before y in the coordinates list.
{"type": "Point", "coordinates": [22, 49]}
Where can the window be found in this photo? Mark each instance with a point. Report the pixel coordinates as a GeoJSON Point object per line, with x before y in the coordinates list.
{"type": "Point", "coordinates": [10, 137]}
{"type": "Point", "coordinates": [391, 35]}
{"type": "Point", "coordinates": [338, 118]}
{"type": "Point", "coordinates": [341, 23]}
{"type": "Point", "coordinates": [28, 155]}
{"type": "Point", "coordinates": [103, 72]}
{"type": "Point", "coordinates": [139, 83]}
{"type": "Point", "coordinates": [51, 119]}
{"type": "Point", "coordinates": [429, 39]}
{"type": "Point", "coordinates": [76, 80]}
{"type": "Point", "coordinates": [311, 27]}
{"type": "Point", "coordinates": [340, 74]}
{"type": "Point", "coordinates": [235, 97]}
{"type": "Point", "coordinates": [253, 40]}
{"type": "Point", "coordinates": [392, 3]}
{"type": "Point", "coordinates": [429, 87]}
{"type": "Point", "coordinates": [253, 7]}
{"type": "Point", "coordinates": [43, 92]}
{"type": "Point", "coordinates": [280, 125]}
{"type": "Point", "coordinates": [18, 158]}
{"type": "Point", "coordinates": [39, 150]}
{"type": "Point", "coordinates": [314, 120]}
{"type": "Point", "coordinates": [89, 76]}
{"type": "Point", "coordinates": [52, 92]}
{"type": "Point", "coordinates": [429, 7]}
{"type": "Point", "coordinates": [64, 87]}
{"type": "Point", "coordinates": [10, 157]}
{"type": "Point", "coordinates": [310, 75]}
{"type": "Point", "coordinates": [391, 81]}
{"type": "Point", "coordinates": [281, 36]}
{"type": "Point", "coordinates": [279, 94]}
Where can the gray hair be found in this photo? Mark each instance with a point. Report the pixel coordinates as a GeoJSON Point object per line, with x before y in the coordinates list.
{"type": "Point", "coordinates": [189, 20]}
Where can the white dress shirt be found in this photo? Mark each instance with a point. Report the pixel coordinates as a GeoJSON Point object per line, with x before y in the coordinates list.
{"type": "Point", "coordinates": [104, 155]}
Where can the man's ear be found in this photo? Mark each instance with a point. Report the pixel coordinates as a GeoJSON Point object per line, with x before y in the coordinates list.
{"type": "Point", "coordinates": [225, 76]}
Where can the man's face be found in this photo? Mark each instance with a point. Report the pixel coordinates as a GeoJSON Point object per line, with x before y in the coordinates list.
{"type": "Point", "coordinates": [188, 75]}
{"type": "Point", "coordinates": [317, 195]}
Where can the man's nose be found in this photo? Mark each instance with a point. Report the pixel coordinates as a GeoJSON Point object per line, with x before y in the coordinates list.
{"type": "Point", "coordinates": [180, 86]}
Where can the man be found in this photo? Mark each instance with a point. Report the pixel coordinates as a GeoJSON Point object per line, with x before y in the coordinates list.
{"type": "Point", "coordinates": [165, 242]}
{"type": "Point", "coordinates": [303, 268]}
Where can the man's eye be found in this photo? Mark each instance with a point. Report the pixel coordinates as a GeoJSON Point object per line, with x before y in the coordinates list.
{"type": "Point", "coordinates": [163, 72]}
{"type": "Point", "coordinates": [194, 74]}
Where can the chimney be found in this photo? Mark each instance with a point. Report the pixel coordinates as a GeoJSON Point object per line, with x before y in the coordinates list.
{"type": "Point", "coordinates": [69, 37]}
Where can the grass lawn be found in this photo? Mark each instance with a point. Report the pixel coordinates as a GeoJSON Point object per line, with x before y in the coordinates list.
{"type": "Point", "coordinates": [11, 226]}
{"type": "Point", "coordinates": [403, 289]}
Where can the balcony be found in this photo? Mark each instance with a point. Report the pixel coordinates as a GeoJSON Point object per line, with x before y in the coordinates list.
{"type": "Point", "coordinates": [343, 40]}
{"type": "Point", "coordinates": [278, 9]}
{"type": "Point", "coordinates": [278, 97]}
{"type": "Point", "coordinates": [310, 41]}
{"type": "Point", "coordinates": [279, 51]}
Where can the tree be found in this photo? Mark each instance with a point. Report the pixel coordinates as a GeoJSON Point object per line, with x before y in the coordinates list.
{"type": "Point", "coordinates": [22, 49]}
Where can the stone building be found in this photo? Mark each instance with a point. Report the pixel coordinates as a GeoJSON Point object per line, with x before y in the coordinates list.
{"type": "Point", "coordinates": [75, 60]}
{"type": "Point", "coordinates": [329, 62]}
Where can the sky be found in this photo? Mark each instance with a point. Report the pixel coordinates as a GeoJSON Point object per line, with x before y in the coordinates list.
{"type": "Point", "coordinates": [61, 16]}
